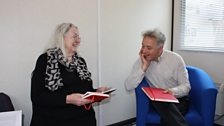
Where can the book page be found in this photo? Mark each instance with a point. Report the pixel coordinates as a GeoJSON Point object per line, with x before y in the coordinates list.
{"type": "Point", "coordinates": [96, 94]}
{"type": "Point", "coordinates": [11, 118]}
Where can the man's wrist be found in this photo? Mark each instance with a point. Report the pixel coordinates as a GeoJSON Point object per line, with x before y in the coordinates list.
{"type": "Point", "coordinates": [144, 68]}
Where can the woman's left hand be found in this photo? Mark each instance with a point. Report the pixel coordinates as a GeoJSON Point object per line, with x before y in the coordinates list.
{"type": "Point", "coordinates": [101, 89]}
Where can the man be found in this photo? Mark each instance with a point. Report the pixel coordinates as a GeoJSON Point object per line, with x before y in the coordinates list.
{"type": "Point", "coordinates": [162, 69]}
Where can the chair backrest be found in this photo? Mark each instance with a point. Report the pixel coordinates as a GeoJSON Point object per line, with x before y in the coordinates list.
{"type": "Point", "coordinates": [5, 103]}
{"type": "Point", "coordinates": [198, 77]}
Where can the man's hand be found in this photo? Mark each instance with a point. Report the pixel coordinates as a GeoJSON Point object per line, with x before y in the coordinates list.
{"type": "Point", "coordinates": [168, 91]}
{"type": "Point", "coordinates": [145, 62]}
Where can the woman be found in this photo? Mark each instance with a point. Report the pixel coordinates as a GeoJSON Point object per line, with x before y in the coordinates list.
{"type": "Point", "coordinates": [58, 82]}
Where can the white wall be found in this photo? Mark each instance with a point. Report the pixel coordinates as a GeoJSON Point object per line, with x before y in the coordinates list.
{"type": "Point", "coordinates": [111, 37]}
{"type": "Point", "coordinates": [122, 22]}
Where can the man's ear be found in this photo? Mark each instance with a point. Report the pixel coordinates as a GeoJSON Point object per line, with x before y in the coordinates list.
{"type": "Point", "coordinates": [161, 48]}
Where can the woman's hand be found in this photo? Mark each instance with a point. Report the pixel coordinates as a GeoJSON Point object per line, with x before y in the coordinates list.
{"type": "Point", "coordinates": [76, 99]}
{"type": "Point", "coordinates": [101, 89]}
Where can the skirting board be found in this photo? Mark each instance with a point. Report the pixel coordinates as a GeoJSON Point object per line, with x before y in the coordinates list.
{"type": "Point", "coordinates": [124, 123]}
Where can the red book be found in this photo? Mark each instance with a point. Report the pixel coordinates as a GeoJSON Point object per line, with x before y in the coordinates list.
{"type": "Point", "coordinates": [158, 94]}
{"type": "Point", "coordinates": [98, 96]}
{"type": "Point", "coordinates": [95, 96]}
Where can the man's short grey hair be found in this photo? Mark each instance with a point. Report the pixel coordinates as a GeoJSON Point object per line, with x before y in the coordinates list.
{"type": "Point", "coordinates": [158, 35]}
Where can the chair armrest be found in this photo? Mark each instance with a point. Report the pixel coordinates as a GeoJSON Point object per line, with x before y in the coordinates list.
{"type": "Point", "coordinates": [142, 104]}
{"type": "Point", "coordinates": [203, 94]}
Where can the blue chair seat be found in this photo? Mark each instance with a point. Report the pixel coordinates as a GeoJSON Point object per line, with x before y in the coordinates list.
{"type": "Point", "coordinates": [193, 117]}
{"type": "Point", "coordinates": [202, 101]}
{"type": "Point", "coordinates": [152, 117]}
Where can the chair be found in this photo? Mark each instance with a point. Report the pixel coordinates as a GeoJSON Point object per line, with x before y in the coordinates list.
{"type": "Point", "coordinates": [8, 113]}
{"type": "Point", "coordinates": [202, 101]}
{"type": "Point", "coordinates": [5, 103]}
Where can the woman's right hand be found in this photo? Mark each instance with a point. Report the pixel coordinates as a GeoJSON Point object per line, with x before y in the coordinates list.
{"type": "Point", "coordinates": [76, 99]}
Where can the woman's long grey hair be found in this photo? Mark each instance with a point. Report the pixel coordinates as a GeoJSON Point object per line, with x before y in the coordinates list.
{"type": "Point", "coordinates": [57, 40]}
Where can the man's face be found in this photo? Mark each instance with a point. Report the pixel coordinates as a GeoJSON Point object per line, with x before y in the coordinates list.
{"type": "Point", "coordinates": [150, 50]}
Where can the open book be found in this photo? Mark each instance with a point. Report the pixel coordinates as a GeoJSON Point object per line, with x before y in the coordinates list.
{"type": "Point", "coordinates": [158, 94]}
{"type": "Point", "coordinates": [98, 96]}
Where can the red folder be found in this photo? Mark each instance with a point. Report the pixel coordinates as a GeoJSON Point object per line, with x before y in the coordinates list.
{"type": "Point", "coordinates": [158, 94]}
